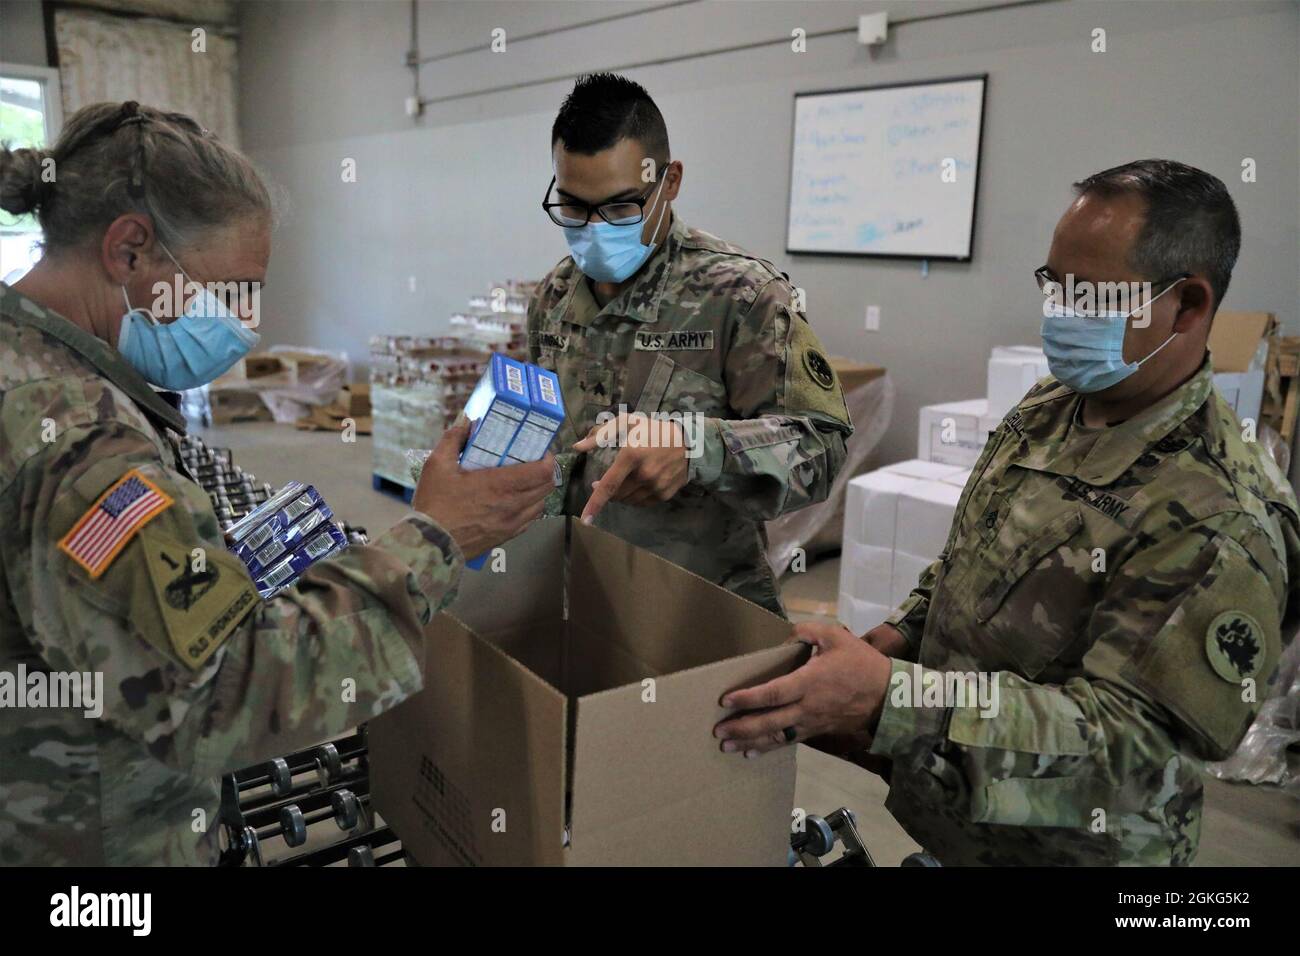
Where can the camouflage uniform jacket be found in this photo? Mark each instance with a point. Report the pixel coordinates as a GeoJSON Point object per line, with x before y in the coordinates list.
{"type": "Point", "coordinates": [199, 675]}
{"type": "Point", "coordinates": [705, 328]}
{"type": "Point", "coordinates": [1127, 588]}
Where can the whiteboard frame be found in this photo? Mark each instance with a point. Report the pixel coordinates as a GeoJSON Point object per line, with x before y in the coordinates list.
{"type": "Point", "coordinates": [979, 165]}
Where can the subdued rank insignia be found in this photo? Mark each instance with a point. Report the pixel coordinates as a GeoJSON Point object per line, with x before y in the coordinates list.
{"type": "Point", "coordinates": [688, 341]}
{"type": "Point", "coordinates": [819, 368]}
{"type": "Point", "coordinates": [201, 603]}
{"type": "Point", "coordinates": [1171, 444]}
{"type": "Point", "coordinates": [1234, 643]}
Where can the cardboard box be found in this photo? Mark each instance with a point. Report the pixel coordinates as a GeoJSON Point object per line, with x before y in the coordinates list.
{"type": "Point", "coordinates": [1012, 371]}
{"type": "Point", "coordinates": [1235, 338]}
{"type": "Point", "coordinates": [952, 433]}
{"type": "Point", "coordinates": [1239, 353]}
{"type": "Point", "coordinates": [534, 690]}
{"type": "Point", "coordinates": [229, 405]}
{"type": "Point", "coordinates": [354, 400]}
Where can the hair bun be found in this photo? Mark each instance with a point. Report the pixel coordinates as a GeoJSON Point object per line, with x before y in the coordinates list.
{"type": "Point", "coordinates": [23, 188]}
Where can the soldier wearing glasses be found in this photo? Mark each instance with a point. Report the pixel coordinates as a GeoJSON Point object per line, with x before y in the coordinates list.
{"type": "Point", "coordinates": [730, 412]}
{"type": "Point", "coordinates": [1121, 568]}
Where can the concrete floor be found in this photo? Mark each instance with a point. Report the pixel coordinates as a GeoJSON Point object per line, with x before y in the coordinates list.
{"type": "Point", "coordinates": [1243, 824]}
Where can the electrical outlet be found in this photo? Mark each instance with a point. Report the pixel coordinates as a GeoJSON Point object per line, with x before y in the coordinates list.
{"type": "Point", "coordinates": [873, 318]}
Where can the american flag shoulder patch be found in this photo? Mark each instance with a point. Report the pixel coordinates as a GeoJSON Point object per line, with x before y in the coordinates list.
{"type": "Point", "coordinates": [112, 521]}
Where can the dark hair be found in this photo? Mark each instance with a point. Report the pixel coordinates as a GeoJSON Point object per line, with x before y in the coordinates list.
{"type": "Point", "coordinates": [603, 109]}
{"type": "Point", "coordinates": [114, 158]}
{"type": "Point", "coordinates": [1191, 221]}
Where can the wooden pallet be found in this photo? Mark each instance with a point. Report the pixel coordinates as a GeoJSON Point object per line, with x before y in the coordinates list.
{"type": "Point", "coordinates": [390, 487]}
{"type": "Point", "coordinates": [1282, 387]}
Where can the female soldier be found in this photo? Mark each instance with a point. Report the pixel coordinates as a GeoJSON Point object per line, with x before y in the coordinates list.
{"type": "Point", "coordinates": [112, 565]}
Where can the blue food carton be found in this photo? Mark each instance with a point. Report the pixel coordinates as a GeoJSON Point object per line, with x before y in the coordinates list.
{"type": "Point", "coordinates": [517, 408]}
{"type": "Point", "coordinates": [498, 408]}
{"type": "Point", "coordinates": [284, 536]}
{"type": "Point", "coordinates": [326, 543]}
{"type": "Point", "coordinates": [544, 418]}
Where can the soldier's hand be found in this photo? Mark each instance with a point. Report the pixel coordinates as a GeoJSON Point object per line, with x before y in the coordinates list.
{"type": "Point", "coordinates": [887, 639]}
{"type": "Point", "coordinates": [841, 690]}
{"type": "Point", "coordinates": [480, 509]}
{"type": "Point", "coordinates": [651, 465]}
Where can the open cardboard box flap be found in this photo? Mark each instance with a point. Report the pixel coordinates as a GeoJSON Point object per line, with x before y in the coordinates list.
{"type": "Point", "coordinates": [1235, 337]}
{"type": "Point", "coordinates": [592, 668]}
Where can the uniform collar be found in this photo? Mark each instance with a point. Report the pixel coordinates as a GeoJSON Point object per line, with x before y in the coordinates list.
{"type": "Point", "coordinates": [94, 351]}
{"type": "Point", "coordinates": [1100, 456]}
{"type": "Point", "coordinates": [640, 301]}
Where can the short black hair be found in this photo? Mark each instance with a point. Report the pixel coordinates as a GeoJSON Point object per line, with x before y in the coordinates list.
{"type": "Point", "coordinates": [604, 108]}
{"type": "Point", "coordinates": [1191, 221]}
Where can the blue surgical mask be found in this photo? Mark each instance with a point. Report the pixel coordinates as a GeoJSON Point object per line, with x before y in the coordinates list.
{"type": "Point", "coordinates": [191, 351]}
{"type": "Point", "coordinates": [1086, 352]}
{"type": "Point", "coordinates": [609, 253]}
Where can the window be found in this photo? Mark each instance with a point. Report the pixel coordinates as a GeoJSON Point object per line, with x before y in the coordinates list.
{"type": "Point", "coordinates": [30, 116]}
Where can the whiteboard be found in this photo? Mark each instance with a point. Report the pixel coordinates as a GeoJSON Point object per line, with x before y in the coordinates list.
{"type": "Point", "coordinates": [887, 170]}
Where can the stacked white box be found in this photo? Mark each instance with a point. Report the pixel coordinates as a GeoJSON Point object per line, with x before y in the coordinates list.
{"type": "Point", "coordinates": [953, 433]}
{"type": "Point", "coordinates": [1012, 371]}
{"type": "Point", "coordinates": [924, 470]}
{"type": "Point", "coordinates": [1244, 391]}
{"type": "Point", "coordinates": [871, 506]}
{"type": "Point", "coordinates": [896, 522]}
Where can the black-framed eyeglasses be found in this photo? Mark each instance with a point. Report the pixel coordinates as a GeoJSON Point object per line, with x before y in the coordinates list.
{"type": "Point", "coordinates": [573, 213]}
{"type": "Point", "coordinates": [1091, 294]}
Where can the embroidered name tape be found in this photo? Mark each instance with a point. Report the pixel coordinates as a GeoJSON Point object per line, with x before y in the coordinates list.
{"type": "Point", "coordinates": [550, 340]}
{"type": "Point", "coordinates": [112, 521]}
{"type": "Point", "coordinates": [674, 341]}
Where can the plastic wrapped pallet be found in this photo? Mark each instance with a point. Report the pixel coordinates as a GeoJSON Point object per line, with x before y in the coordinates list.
{"type": "Point", "coordinates": [869, 395]}
{"type": "Point", "coordinates": [288, 380]}
{"type": "Point", "coordinates": [1262, 755]}
{"type": "Point", "coordinates": [406, 416]}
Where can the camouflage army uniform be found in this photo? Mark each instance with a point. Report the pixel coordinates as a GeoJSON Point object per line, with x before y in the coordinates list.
{"type": "Point", "coordinates": [200, 676]}
{"type": "Point", "coordinates": [1122, 584]}
{"type": "Point", "coordinates": [704, 328]}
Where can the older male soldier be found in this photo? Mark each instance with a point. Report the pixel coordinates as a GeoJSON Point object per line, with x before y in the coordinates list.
{"type": "Point", "coordinates": [695, 350]}
{"type": "Point", "coordinates": [1120, 572]}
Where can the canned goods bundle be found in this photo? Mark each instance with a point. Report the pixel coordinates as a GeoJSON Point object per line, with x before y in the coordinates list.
{"type": "Point", "coordinates": [233, 491]}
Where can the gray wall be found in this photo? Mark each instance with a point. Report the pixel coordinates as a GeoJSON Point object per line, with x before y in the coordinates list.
{"type": "Point", "coordinates": [22, 32]}
{"type": "Point", "coordinates": [452, 199]}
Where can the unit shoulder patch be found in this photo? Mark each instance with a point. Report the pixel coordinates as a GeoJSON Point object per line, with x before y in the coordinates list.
{"type": "Point", "coordinates": [201, 596]}
{"type": "Point", "coordinates": [1234, 643]}
{"type": "Point", "coordinates": [810, 383]}
{"type": "Point", "coordinates": [819, 368]}
{"type": "Point", "coordinates": [112, 521]}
